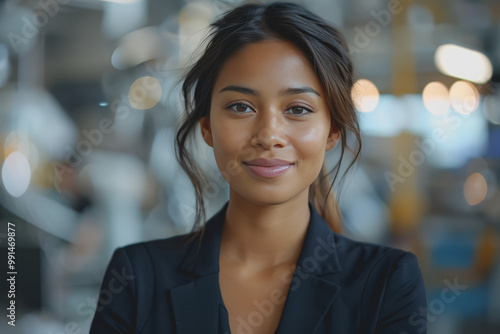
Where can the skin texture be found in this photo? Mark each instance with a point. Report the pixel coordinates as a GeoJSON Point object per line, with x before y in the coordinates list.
{"type": "Point", "coordinates": [266, 219]}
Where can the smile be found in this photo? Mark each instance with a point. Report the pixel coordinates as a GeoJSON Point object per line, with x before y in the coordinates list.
{"type": "Point", "coordinates": [268, 171]}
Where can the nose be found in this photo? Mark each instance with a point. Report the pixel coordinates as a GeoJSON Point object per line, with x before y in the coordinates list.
{"type": "Point", "coordinates": [269, 130]}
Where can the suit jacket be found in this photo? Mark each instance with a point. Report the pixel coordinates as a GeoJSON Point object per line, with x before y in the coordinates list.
{"type": "Point", "coordinates": [339, 286]}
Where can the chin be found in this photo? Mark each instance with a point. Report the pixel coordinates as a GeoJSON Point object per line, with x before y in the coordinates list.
{"type": "Point", "coordinates": [266, 196]}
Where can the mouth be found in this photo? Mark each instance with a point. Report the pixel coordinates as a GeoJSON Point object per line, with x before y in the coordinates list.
{"type": "Point", "coordinates": [268, 171]}
{"type": "Point", "coordinates": [268, 162]}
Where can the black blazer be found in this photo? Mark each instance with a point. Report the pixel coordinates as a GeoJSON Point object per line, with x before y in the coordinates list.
{"type": "Point", "coordinates": [339, 286]}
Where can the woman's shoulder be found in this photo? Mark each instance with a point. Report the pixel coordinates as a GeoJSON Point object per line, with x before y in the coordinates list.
{"type": "Point", "coordinates": [178, 242]}
{"type": "Point", "coordinates": [165, 252]}
{"type": "Point", "coordinates": [372, 256]}
{"type": "Point", "coordinates": [386, 279]}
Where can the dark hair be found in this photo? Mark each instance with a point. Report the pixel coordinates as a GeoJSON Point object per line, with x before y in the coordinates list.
{"type": "Point", "coordinates": [326, 49]}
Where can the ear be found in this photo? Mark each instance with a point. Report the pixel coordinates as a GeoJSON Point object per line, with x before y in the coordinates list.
{"type": "Point", "coordinates": [333, 137]}
{"type": "Point", "coordinates": [206, 131]}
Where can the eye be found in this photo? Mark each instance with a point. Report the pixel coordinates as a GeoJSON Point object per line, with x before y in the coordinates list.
{"type": "Point", "coordinates": [299, 110]}
{"type": "Point", "coordinates": [239, 107]}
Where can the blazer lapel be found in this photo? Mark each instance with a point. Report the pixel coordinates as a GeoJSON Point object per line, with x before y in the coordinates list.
{"type": "Point", "coordinates": [306, 306]}
{"type": "Point", "coordinates": [195, 303]}
{"type": "Point", "coordinates": [195, 306]}
{"type": "Point", "coordinates": [310, 295]}
{"type": "Point", "coordinates": [312, 289]}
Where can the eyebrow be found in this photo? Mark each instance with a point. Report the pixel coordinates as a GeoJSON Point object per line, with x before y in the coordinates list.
{"type": "Point", "coordinates": [283, 92]}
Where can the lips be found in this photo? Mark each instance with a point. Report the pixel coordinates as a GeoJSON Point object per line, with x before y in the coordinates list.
{"type": "Point", "coordinates": [268, 162]}
{"type": "Point", "coordinates": [268, 168]}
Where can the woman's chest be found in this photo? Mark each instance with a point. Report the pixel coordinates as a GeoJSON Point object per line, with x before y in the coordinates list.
{"type": "Point", "coordinates": [255, 302]}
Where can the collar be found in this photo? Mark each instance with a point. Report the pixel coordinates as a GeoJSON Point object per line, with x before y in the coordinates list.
{"type": "Point", "coordinates": [318, 255]}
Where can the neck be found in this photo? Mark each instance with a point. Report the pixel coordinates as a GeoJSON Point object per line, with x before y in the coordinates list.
{"type": "Point", "coordinates": [263, 235]}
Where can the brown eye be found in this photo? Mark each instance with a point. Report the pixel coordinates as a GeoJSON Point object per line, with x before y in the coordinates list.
{"type": "Point", "coordinates": [239, 107]}
{"type": "Point", "coordinates": [298, 110]}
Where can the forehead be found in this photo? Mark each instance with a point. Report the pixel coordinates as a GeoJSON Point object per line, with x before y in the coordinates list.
{"type": "Point", "coordinates": [268, 63]}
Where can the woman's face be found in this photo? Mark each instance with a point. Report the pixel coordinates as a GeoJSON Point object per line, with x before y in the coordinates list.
{"type": "Point", "coordinates": [267, 103]}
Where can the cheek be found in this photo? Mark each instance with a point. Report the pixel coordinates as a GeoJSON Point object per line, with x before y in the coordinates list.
{"type": "Point", "coordinates": [228, 140]}
{"type": "Point", "coordinates": [311, 143]}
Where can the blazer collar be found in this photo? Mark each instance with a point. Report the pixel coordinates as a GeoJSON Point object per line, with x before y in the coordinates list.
{"type": "Point", "coordinates": [195, 304]}
{"type": "Point", "coordinates": [319, 242]}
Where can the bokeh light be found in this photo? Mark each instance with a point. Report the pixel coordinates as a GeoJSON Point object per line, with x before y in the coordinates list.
{"type": "Point", "coordinates": [436, 98]}
{"type": "Point", "coordinates": [463, 63]}
{"type": "Point", "coordinates": [145, 93]}
{"type": "Point", "coordinates": [139, 46]}
{"type": "Point", "coordinates": [464, 97]}
{"type": "Point", "coordinates": [16, 141]}
{"type": "Point", "coordinates": [475, 189]}
{"type": "Point", "coordinates": [365, 95]}
{"type": "Point", "coordinates": [16, 174]}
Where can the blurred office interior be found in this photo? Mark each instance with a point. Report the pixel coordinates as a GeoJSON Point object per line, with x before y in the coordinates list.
{"type": "Point", "coordinates": [89, 109]}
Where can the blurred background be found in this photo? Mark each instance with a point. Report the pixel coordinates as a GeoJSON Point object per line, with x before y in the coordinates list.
{"type": "Point", "coordinates": [89, 109]}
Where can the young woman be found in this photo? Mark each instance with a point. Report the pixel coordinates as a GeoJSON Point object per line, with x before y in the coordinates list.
{"type": "Point", "coordinates": [271, 94]}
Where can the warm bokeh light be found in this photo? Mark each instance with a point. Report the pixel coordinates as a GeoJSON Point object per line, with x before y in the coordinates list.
{"type": "Point", "coordinates": [16, 174]}
{"type": "Point", "coordinates": [145, 93]}
{"type": "Point", "coordinates": [436, 98]}
{"type": "Point", "coordinates": [20, 142]}
{"type": "Point", "coordinates": [365, 95]}
{"type": "Point", "coordinates": [475, 189]}
{"type": "Point", "coordinates": [463, 63]}
{"type": "Point", "coordinates": [464, 97]}
{"type": "Point", "coordinates": [16, 141]}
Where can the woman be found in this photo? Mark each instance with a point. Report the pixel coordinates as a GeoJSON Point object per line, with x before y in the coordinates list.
{"type": "Point", "coordinates": [271, 94]}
